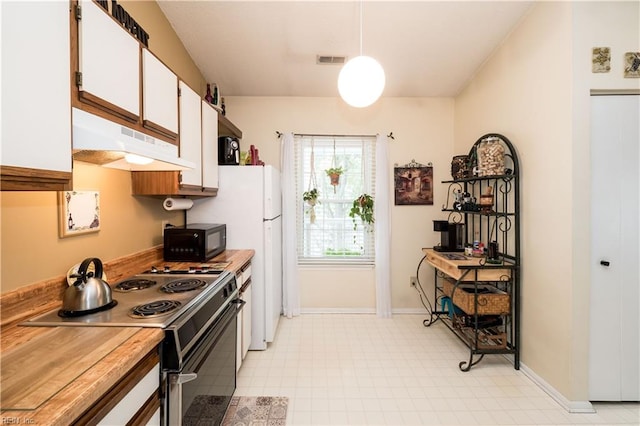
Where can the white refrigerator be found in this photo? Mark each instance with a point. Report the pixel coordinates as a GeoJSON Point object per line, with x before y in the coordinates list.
{"type": "Point", "coordinates": [249, 202]}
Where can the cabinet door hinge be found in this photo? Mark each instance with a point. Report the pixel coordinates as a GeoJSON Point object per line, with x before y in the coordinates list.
{"type": "Point", "coordinates": [78, 13]}
{"type": "Point", "coordinates": [78, 78]}
{"type": "Point", "coordinates": [179, 92]}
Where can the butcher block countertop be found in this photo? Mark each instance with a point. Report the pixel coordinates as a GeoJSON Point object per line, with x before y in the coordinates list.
{"type": "Point", "coordinates": [52, 375]}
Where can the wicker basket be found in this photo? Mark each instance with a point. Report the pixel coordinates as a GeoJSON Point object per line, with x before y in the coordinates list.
{"type": "Point", "coordinates": [491, 301]}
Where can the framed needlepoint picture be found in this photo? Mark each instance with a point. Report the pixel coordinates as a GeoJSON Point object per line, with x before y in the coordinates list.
{"type": "Point", "coordinates": [413, 184]}
{"type": "Point", "coordinates": [79, 212]}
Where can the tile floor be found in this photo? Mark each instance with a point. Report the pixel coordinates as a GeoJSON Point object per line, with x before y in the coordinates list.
{"type": "Point", "coordinates": [339, 369]}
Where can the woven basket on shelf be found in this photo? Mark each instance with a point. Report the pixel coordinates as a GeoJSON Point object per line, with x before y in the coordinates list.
{"type": "Point", "coordinates": [493, 302]}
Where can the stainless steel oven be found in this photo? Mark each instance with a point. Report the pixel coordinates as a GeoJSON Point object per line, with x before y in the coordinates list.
{"type": "Point", "coordinates": [197, 308]}
{"type": "Point", "coordinates": [200, 389]}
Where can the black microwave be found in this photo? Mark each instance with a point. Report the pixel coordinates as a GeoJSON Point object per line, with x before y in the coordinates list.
{"type": "Point", "coordinates": [195, 242]}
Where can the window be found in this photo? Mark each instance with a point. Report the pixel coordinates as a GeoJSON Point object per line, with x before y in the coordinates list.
{"type": "Point", "coordinates": [326, 232]}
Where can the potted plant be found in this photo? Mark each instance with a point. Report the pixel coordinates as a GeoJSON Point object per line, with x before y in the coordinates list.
{"type": "Point", "coordinates": [311, 198]}
{"type": "Point", "coordinates": [334, 175]}
{"type": "Point", "coordinates": [362, 207]}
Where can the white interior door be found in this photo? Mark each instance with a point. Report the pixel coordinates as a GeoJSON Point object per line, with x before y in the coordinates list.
{"type": "Point", "coordinates": [614, 347]}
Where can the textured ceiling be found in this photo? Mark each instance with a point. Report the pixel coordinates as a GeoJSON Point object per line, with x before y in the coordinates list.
{"type": "Point", "coordinates": [269, 48]}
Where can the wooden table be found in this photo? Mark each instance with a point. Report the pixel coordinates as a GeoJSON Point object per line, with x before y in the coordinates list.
{"type": "Point", "coordinates": [466, 269]}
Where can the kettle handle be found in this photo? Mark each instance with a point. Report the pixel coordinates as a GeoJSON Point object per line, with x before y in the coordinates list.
{"type": "Point", "coordinates": [82, 270]}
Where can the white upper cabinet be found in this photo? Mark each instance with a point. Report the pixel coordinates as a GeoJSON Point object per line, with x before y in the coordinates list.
{"type": "Point", "coordinates": [159, 96]}
{"type": "Point", "coordinates": [190, 134]}
{"type": "Point", "coordinates": [109, 63]}
{"type": "Point", "coordinates": [36, 110]}
{"type": "Point", "coordinates": [209, 146]}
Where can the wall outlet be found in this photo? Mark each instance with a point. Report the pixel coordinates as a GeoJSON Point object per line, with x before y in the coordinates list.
{"type": "Point", "coordinates": [164, 226]}
{"type": "Point", "coordinates": [413, 281]}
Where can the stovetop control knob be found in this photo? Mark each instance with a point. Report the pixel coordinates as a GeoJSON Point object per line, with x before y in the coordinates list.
{"type": "Point", "coordinates": [166, 269]}
{"type": "Point", "coordinates": [192, 269]}
{"type": "Point", "coordinates": [154, 270]}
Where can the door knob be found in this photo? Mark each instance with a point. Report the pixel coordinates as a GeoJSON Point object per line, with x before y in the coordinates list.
{"type": "Point", "coordinates": [605, 263]}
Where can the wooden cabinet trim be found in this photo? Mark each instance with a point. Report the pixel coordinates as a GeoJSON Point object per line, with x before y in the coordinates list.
{"type": "Point", "coordinates": [150, 125]}
{"type": "Point", "coordinates": [107, 107]}
{"type": "Point", "coordinates": [26, 179]}
{"type": "Point", "coordinates": [227, 128]}
{"type": "Point", "coordinates": [94, 414]}
{"type": "Point", "coordinates": [144, 414]}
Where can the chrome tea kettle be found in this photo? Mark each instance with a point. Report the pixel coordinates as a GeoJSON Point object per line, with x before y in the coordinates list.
{"type": "Point", "coordinates": [89, 293]}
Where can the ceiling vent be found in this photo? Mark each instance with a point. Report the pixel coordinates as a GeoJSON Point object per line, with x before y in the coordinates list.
{"type": "Point", "coordinates": [330, 60]}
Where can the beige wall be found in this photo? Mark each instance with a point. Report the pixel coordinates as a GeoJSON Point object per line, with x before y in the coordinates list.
{"type": "Point", "coordinates": [423, 130]}
{"type": "Point", "coordinates": [535, 90]}
{"type": "Point", "coordinates": [31, 249]}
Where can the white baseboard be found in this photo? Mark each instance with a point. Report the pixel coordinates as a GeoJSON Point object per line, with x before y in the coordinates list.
{"type": "Point", "coordinates": [337, 311]}
{"type": "Point", "coordinates": [410, 311]}
{"type": "Point", "coordinates": [570, 406]}
{"type": "Point", "coordinates": [400, 311]}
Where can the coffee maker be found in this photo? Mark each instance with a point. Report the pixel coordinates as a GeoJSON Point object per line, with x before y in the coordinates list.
{"type": "Point", "coordinates": [451, 235]}
{"type": "Point", "coordinates": [228, 151]}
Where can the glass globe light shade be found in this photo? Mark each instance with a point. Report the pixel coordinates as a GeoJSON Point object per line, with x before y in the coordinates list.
{"type": "Point", "coordinates": [361, 81]}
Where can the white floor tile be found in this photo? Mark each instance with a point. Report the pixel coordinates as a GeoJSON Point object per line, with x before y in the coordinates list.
{"type": "Point", "coordinates": [352, 370]}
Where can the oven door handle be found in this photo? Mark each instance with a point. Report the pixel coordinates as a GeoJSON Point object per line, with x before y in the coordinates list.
{"type": "Point", "coordinates": [239, 303]}
{"type": "Point", "coordinates": [185, 378]}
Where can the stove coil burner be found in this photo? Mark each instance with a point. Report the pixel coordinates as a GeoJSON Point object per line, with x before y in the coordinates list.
{"type": "Point", "coordinates": [134, 284]}
{"type": "Point", "coordinates": [183, 285]}
{"type": "Point", "coordinates": [154, 309]}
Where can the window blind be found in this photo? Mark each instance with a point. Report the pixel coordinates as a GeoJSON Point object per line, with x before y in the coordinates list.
{"type": "Point", "coordinates": [332, 237]}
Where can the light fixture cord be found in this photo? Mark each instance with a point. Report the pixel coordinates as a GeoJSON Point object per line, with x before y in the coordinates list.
{"type": "Point", "coordinates": [360, 27]}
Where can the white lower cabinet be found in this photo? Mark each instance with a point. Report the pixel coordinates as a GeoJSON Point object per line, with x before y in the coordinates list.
{"type": "Point", "coordinates": [136, 398]}
{"type": "Point", "coordinates": [243, 279]}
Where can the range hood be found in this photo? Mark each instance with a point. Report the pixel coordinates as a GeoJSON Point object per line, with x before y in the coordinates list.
{"type": "Point", "coordinates": [100, 141]}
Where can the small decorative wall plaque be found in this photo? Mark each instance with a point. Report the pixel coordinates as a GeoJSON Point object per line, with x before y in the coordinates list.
{"type": "Point", "coordinates": [79, 212]}
{"type": "Point", "coordinates": [601, 59]}
{"type": "Point", "coordinates": [632, 65]}
{"type": "Point", "coordinates": [413, 184]}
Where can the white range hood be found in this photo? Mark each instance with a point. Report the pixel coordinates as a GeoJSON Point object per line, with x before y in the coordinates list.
{"type": "Point", "coordinates": [100, 141]}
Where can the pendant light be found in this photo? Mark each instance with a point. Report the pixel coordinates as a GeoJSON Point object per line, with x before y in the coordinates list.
{"type": "Point", "coordinates": [361, 80]}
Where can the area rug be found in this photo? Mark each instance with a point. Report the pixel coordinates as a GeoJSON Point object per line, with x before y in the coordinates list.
{"type": "Point", "coordinates": [256, 411]}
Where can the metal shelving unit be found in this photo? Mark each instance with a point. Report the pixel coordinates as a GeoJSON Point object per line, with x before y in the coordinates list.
{"type": "Point", "coordinates": [477, 284]}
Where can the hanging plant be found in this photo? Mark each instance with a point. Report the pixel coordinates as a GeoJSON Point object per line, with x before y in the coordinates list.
{"type": "Point", "coordinates": [362, 207]}
{"type": "Point", "coordinates": [310, 196]}
{"type": "Point", "coordinates": [334, 176]}
{"type": "Point", "coordinates": [335, 171]}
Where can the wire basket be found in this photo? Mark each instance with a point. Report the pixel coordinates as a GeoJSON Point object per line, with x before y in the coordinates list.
{"type": "Point", "coordinates": [490, 300]}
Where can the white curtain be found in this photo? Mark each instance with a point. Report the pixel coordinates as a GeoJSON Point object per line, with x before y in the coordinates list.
{"type": "Point", "coordinates": [290, 286]}
{"type": "Point", "coordinates": [382, 214]}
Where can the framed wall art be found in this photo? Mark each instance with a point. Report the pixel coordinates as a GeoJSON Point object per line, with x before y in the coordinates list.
{"type": "Point", "coordinates": [413, 184]}
{"type": "Point", "coordinates": [79, 212]}
{"type": "Point", "coordinates": [632, 65]}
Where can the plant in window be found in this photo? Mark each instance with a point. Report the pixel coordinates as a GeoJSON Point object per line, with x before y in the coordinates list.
{"type": "Point", "coordinates": [362, 207]}
{"type": "Point", "coordinates": [334, 175]}
{"type": "Point", "coordinates": [311, 198]}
